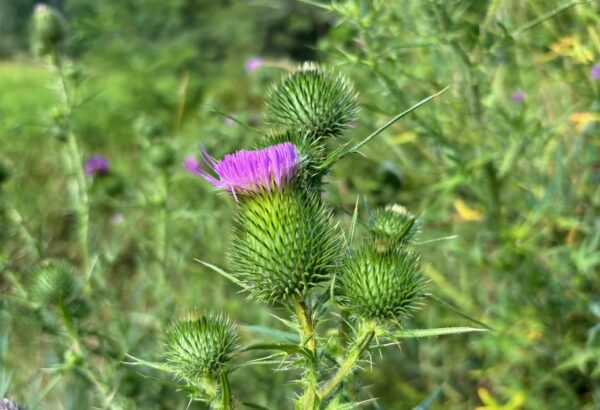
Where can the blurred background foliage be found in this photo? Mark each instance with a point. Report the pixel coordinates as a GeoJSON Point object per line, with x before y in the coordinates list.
{"type": "Point", "coordinates": [503, 168]}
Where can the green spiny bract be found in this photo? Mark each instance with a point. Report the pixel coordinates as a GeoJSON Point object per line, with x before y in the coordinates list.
{"type": "Point", "coordinates": [54, 284]}
{"type": "Point", "coordinates": [198, 346]}
{"type": "Point", "coordinates": [285, 242]}
{"type": "Point", "coordinates": [49, 29]}
{"type": "Point", "coordinates": [314, 100]}
{"type": "Point", "coordinates": [310, 148]}
{"type": "Point", "coordinates": [392, 227]}
{"type": "Point", "coordinates": [380, 286]}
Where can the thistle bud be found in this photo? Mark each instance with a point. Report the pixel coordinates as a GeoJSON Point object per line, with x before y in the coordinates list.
{"type": "Point", "coordinates": [381, 286]}
{"type": "Point", "coordinates": [314, 100]}
{"type": "Point", "coordinates": [284, 244]}
{"type": "Point", "coordinates": [49, 29]}
{"type": "Point", "coordinates": [198, 346]}
{"type": "Point", "coordinates": [54, 284]}
{"type": "Point", "coordinates": [392, 227]}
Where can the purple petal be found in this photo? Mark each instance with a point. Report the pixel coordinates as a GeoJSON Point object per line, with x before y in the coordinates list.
{"type": "Point", "coordinates": [249, 171]}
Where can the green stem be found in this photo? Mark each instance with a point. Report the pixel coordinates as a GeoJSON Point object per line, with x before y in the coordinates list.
{"type": "Point", "coordinates": [80, 189]}
{"type": "Point", "coordinates": [308, 400]}
{"type": "Point", "coordinates": [362, 342]}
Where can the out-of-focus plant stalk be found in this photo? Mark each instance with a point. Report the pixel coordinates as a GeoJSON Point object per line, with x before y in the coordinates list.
{"type": "Point", "coordinates": [78, 186]}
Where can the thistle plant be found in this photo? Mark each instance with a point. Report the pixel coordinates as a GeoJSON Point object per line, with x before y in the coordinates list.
{"type": "Point", "coordinates": [287, 251]}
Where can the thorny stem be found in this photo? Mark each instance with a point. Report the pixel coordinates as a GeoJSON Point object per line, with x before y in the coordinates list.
{"type": "Point", "coordinates": [214, 392]}
{"type": "Point", "coordinates": [82, 367]}
{"type": "Point", "coordinates": [308, 340]}
{"type": "Point", "coordinates": [361, 343]}
{"type": "Point", "coordinates": [80, 189]}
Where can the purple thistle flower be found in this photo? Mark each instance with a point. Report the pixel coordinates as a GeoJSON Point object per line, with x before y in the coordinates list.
{"type": "Point", "coordinates": [595, 72]}
{"type": "Point", "coordinates": [519, 97]}
{"type": "Point", "coordinates": [96, 165]}
{"type": "Point", "coordinates": [250, 171]}
{"type": "Point", "coordinates": [253, 63]}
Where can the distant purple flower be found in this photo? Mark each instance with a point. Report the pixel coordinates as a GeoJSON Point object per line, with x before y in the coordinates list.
{"type": "Point", "coordinates": [253, 63]}
{"type": "Point", "coordinates": [229, 122]}
{"type": "Point", "coordinates": [595, 72]}
{"type": "Point", "coordinates": [250, 171]}
{"type": "Point", "coordinates": [96, 165]}
{"type": "Point", "coordinates": [519, 97]}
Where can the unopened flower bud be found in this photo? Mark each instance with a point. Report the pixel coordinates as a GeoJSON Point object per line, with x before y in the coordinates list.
{"type": "Point", "coordinates": [392, 227]}
{"type": "Point", "coordinates": [198, 345]}
{"type": "Point", "coordinates": [314, 100]}
{"type": "Point", "coordinates": [54, 284]}
{"type": "Point", "coordinates": [49, 29]}
{"type": "Point", "coordinates": [381, 286]}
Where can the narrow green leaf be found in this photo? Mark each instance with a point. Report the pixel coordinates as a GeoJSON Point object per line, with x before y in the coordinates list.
{"type": "Point", "coordinates": [547, 16]}
{"type": "Point", "coordinates": [354, 220]}
{"type": "Point", "coordinates": [284, 347]}
{"type": "Point", "coordinates": [441, 331]}
{"type": "Point", "coordinates": [153, 365]}
{"type": "Point", "coordinates": [223, 273]}
{"type": "Point", "coordinates": [393, 120]}
{"type": "Point", "coordinates": [254, 406]}
{"type": "Point", "coordinates": [459, 312]}
{"type": "Point", "coordinates": [274, 333]}
{"type": "Point", "coordinates": [429, 400]}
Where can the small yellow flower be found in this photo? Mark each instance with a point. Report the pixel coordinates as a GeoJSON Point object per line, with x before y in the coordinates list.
{"type": "Point", "coordinates": [572, 47]}
{"type": "Point", "coordinates": [580, 119]}
{"type": "Point", "coordinates": [489, 403]}
{"type": "Point", "coordinates": [465, 212]}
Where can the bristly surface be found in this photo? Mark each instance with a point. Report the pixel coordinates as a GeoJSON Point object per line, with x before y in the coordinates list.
{"type": "Point", "coordinates": [392, 227]}
{"type": "Point", "coordinates": [284, 243]}
{"type": "Point", "coordinates": [199, 345]}
{"type": "Point", "coordinates": [382, 287]}
{"type": "Point", "coordinates": [314, 100]}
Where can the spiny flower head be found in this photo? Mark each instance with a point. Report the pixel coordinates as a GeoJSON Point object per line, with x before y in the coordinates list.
{"type": "Point", "coordinates": [250, 171]}
{"type": "Point", "coordinates": [285, 242]}
{"type": "Point", "coordinates": [53, 284]}
{"type": "Point", "coordinates": [392, 227]}
{"type": "Point", "coordinates": [199, 345]}
{"type": "Point", "coordinates": [381, 287]}
{"type": "Point", "coordinates": [313, 99]}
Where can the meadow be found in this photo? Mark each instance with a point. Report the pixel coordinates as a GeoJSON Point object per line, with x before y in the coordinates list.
{"type": "Point", "coordinates": [108, 233]}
